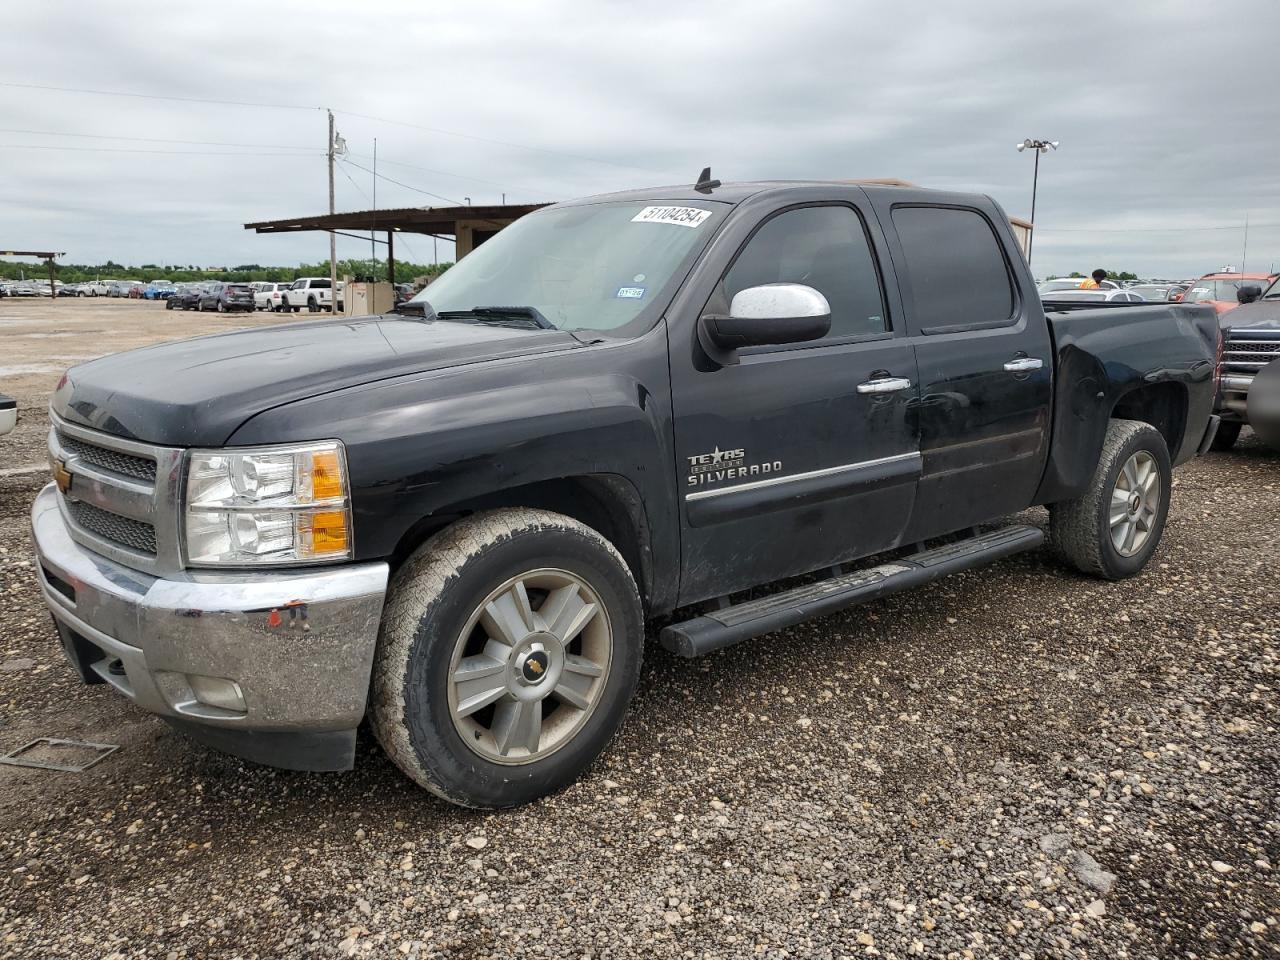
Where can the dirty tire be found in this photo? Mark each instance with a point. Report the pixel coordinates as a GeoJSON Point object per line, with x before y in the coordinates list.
{"type": "Point", "coordinates": [1080, 529]}
{"type": "Point", "coordinates": [431, 598]}
{"type": "Point", "coordinates": [1226, 437]}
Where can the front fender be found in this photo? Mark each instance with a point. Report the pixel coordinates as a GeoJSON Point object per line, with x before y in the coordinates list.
{"type": "Point", "coordinates": [419, 444]}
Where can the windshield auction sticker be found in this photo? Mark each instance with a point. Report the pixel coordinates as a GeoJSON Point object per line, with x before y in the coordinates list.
{"type": "Point", "coordinates": [680, 216]}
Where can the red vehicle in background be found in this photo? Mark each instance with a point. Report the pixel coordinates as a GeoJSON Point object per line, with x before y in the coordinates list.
{"type": "Point", "coordinates": [1222, 289]}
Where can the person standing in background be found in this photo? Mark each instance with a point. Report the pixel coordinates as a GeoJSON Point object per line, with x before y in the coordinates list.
{"type": "Point", "coordinates": [1094, 281]}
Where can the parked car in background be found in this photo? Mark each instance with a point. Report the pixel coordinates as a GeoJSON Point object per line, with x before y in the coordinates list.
{"type": "Point", "coordinates": [1251, 344]}
{"type": "Point", "coordinates": [262, 295]}
{"type": "Point", "coordinates": [1222, 289]}
{"type": "Point", "coordinates": [1097, 296]}
{"type": "Point", "coordinates": [1045, 287]}
{"type": "Point", "coordinates": [1156, 292]}
{"type": "Point", "coordinates": [68, 289]}
{"type": "Point", "coordinates": [186, 297]}
{"type": "Point", "coordinates": [312, 294]}
{"type": "Point", "coordinates": [225, 297]}
{"type": "Point", "coordinates": [158, 290]}
{"type": "Point", "coordinates": [94, 288]}
{"type": "Point", "coordinates": [124, 288]}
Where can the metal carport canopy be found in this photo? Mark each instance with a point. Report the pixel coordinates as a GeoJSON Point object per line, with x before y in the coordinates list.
{"type": "Point", "coordinates": [437, 221]}
{"type": "Point", "coordinates": [466, 226]}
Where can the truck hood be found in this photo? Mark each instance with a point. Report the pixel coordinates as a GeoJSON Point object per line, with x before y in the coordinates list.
{"type": "Point", "coordinates": [197, 392]}
{"type": "Point", "coordinates": [1260, 313]}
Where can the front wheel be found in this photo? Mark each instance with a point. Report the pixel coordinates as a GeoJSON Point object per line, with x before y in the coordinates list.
{"type": "Point", "coordinates": [509, 649]}
{"type": "Point", "coordinates": [312, 306]}
{"type": "Point", "coordinates": [1115, 527]}
{"type": "Point", "coordinates": [1226, 437]}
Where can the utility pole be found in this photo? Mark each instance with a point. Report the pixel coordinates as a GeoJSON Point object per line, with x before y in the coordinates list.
{"type": "Point", "coordinates": [333, 237]}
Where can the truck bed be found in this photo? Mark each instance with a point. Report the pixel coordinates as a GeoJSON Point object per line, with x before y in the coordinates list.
{"type": "Point", "coordinates": [1111, 359]}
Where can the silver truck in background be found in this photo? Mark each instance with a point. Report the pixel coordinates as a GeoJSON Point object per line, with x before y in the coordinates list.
{"type": "Point", "coordinates": [1250, 358]}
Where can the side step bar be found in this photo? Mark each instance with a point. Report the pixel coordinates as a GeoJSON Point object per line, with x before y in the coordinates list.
{"type": "Point", "coordinates": [729, 625]}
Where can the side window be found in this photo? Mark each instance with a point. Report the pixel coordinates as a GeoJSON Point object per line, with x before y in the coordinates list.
{"type": "Point", "coordinates": [825, 248]}
{"type": "Point", "coordinates": [957, 272]}
{"type": "Point", "coordinates": [319, 284]}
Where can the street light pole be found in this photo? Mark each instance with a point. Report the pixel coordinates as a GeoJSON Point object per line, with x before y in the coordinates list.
{"type": "Point", "coordinates": [1039, 146]}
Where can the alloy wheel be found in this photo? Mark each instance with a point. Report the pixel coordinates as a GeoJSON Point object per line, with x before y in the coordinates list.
{"type": "Point", "coordinates": [1135, 503]}
{"type": "Point", "coordinates": [529, 667]}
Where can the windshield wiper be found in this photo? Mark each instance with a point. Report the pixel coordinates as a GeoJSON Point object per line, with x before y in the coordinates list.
{"type": "Point", "coordinates": [530, 315]}
{"type": "Point", "coordinates": [415, 308]}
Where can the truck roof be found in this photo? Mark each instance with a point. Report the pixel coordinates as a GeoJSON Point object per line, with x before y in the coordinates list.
{"type": "Point", "coordinates": [739, 191]}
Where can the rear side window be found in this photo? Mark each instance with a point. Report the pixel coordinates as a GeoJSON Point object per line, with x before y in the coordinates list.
{"type": "Point", "coordinates": [957, 271]}
{"type": "Point", "coordinates": [319, 284]}
{"type": "Point", "coordinates": [822, 247]}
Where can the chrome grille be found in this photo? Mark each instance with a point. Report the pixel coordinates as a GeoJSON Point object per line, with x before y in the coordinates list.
{"type": "Point", "coordinates": [123, 500]}
{"type": "Point", "coordinates": [125, 531]}
{"type": "Point", "coordinates": [140, 468]}
{"type": "Point", "coordinates": [1248, 351]}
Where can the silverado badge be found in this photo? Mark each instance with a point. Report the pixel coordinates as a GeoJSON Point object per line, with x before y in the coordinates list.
{"type": "Point", "coordinates": [61, 476]}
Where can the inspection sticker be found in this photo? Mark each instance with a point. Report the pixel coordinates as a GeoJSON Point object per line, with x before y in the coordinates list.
{"type": "Point", "coordinates": [680, 216]}
{"type": "Point", "coordinates": [630, 293]}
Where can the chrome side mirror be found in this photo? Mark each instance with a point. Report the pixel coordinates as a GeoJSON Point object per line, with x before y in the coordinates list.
{"type": "Point", "coordinates": [773, 313]}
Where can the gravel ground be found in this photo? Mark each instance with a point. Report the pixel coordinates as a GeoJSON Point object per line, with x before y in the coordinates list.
{"type": "Point", "coordinates": [1016, 762]}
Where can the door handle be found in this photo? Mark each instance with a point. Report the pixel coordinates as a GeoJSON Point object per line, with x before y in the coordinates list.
{"type": "Point", "coordinates": [1024, 364]}
{"type": "Point", "coordinates": [884, 385]}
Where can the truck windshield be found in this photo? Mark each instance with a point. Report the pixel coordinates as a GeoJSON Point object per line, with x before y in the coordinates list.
{"type": "Point", "coordinates": [592, 267]}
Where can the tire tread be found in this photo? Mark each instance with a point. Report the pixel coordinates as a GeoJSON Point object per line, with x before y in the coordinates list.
{"type": "Point", "coordinates": [416, 587]}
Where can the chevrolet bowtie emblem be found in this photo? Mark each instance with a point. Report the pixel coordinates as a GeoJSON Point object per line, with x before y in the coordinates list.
{"type": "Point", "coordinates": [61, 476]}
{"type": "Point", "coordinates": [536, 667]}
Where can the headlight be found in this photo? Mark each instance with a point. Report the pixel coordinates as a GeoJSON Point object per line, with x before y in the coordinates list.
{"type": "Point", "coordinates": [267, 505]}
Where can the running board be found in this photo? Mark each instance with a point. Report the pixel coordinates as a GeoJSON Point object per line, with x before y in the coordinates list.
{"type": "Point", "coordinates": [743, 621]}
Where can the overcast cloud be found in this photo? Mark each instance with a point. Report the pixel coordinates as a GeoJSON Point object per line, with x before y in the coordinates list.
{"type": "Point", "coordinates": [1167, 113]}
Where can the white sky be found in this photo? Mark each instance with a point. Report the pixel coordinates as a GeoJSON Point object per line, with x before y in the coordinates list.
{"type": "Point", "coordinates": [1167, 113]}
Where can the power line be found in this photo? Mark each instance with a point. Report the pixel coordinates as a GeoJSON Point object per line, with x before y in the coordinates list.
{"type": "Point", "coordinates": [501, 143]}
{"type": "Point", "coordinates": [380, 176]}
{"type": "Point", "coordinates": [154, 96]}
{"type": "Point", "coordinates": [442, 173]}
{"type": "Point", "coordinates": [171, 153]}
{"type": "Point", "coordinates": [297, 106]}
{"type": "Point", "coordinates": [195, 143]}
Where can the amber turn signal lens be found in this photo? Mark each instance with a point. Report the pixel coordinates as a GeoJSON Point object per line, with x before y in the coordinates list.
{"type": "Point", "coordinates": [326, 475]}
{"type": "Point", "coordinates": [328, 533]}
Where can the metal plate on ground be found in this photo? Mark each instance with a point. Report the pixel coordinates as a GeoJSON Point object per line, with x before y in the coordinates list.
{"type": "Point", "coordinates": [36, 754]}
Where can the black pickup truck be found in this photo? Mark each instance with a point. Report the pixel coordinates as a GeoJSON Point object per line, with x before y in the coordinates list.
{"type": "Point", "coordinates": [457, 518]}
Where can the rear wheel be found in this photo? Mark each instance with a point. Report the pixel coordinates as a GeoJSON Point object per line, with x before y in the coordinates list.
{"type": "Point", "coordinates": [1115, 527]}
{"type": "Point", "coordinates": [1227, 435]}
{"type": "Point", "coordinates": [510, 647]}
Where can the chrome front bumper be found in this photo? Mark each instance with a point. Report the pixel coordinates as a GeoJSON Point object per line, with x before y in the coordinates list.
{"type": "Point", "coordinates": [269, 654]}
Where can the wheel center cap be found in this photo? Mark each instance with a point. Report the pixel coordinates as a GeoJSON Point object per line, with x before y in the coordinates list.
{"type": "Point", "coordinates": [1135, 502]}
{"type": "Point", "coordinates": [534, 666]}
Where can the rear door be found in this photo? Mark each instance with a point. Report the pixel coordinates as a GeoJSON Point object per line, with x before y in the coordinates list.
{"type": "Point", "coordinates": [802, 455]}
{"type": "Point", "coordinates": [984, 355]}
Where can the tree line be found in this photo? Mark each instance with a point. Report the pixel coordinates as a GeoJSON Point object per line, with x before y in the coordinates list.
{"type": "Point", "coordinates": [79, 272]}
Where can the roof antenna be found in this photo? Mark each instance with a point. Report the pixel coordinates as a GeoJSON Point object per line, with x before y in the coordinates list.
{"type": "Point", "coordinates": [705, 184]}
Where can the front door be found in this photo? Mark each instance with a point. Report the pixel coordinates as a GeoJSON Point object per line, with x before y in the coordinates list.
{"type": "Point", "coordinates": [801, 456]}
{"type": "Point", "coordinates": [984, 356]}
